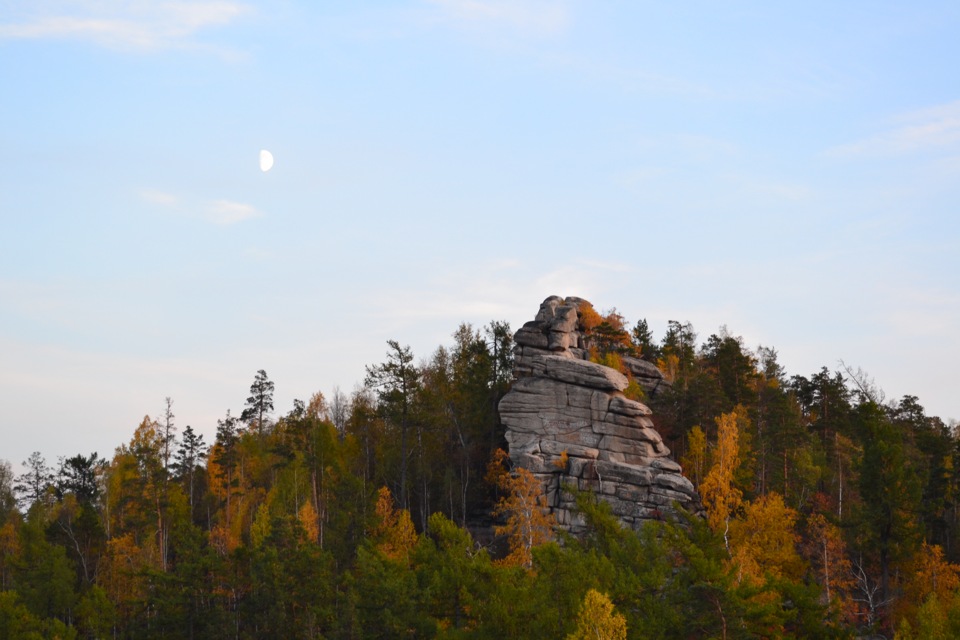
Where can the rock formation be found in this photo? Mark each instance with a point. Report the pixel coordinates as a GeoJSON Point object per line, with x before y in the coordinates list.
{"type": "Point", "coordinates": [569, 423]}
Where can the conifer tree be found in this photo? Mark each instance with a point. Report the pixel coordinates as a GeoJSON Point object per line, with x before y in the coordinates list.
{"type": "Point", "coordinates": [396, 382]}
{"type": "Point", "coordinates": [260, 403]}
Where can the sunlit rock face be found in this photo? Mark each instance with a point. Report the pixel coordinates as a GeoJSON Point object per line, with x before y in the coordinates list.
{"type": "Point", "coordinates": [569, 423]}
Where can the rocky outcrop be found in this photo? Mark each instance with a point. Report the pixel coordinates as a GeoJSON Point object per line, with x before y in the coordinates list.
{"type": "Point", "coordinates": [569, 423]}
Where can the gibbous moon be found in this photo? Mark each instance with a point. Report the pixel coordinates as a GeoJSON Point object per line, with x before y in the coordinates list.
{"type": "Point", "coordinates": [266, 160]}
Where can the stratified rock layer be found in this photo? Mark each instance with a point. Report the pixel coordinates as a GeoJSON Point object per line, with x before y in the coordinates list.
{"type": "Point", "coordinates": [570, 424]}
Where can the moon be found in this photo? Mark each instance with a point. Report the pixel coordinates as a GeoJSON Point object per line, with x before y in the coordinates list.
{"type": "Point", "coordinates": [266, 160]}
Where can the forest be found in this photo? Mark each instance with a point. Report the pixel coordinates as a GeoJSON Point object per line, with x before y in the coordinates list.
{"type": "Point", "coordinates": [393, 512]}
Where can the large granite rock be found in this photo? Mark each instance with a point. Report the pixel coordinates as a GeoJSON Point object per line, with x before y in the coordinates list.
{"type": "Point", "coordinates": [570, 424]}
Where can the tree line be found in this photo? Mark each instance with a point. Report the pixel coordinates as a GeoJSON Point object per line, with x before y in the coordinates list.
{"type": "Point", "coordinates": [394, 512]}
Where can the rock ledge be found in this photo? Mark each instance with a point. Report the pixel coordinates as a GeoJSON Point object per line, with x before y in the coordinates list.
{"type": "Point", "coordinates": [562, 406]}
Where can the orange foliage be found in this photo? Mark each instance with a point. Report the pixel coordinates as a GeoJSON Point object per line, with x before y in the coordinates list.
{"type": "Point", "coordinates": [563, 461]}
{"type": "Point", "coordinates": [828, 556]}
{"type": "Point", "coordinates": [395, 530]}
{"type": "Point", "coordinates": [588, 316]}
{"type": "Point", "coordinates": [308, 519]}
{"type": "Point", "coordinates": [932, 575]}
{"type": "Point", "coordinates": [529, 523]}
{"type": "Point", "coordinates": [764, 541]}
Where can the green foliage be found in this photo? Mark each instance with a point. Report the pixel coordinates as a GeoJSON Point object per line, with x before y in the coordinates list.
{"type": "Point", "coordinates": [841, 513]}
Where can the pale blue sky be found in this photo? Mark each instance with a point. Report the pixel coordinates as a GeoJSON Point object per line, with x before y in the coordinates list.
{"type": "Point", "coordinates": [791, 170]}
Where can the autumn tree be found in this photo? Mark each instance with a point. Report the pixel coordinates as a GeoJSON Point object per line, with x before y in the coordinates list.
{"type": "Point", "coordinates": [598, 620]}
{"type": "Point", "coordinates": [764, 541]}
{"type": "Point", "coordinates": [931, 576]}
{"type": "Point", "coordinates": [523, 504]}
{"type": "Point", "coordinates": [721, 496]}
{"type": "Point", "coordinates": [694, 461]}
{"type": "Point", "coordinates": [394, 531]}
{"type": "Point", "coordinates": [138, 490]}
{"type": "Point", "coordinates": [225, 478]}
{"type": "Point", "coordinates": [826, 551]}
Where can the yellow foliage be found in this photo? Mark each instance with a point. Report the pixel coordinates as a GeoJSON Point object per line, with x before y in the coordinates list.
{"type": "Point", "coordinates": [317, 407]}
{"type": "Point", "coordinates": [669, 366]}
{"type": "Point", "coordinates": [395, 530]}
{"type": "Point", "coordinates": [932, 620]}
{"type": "Point", "coordinates": [310, 522]}
{"type": "Point", "coordinates": [612, 360]}
{"type": "Point", "coordinates": [933, 573]}
{"type": "Point", "coordinates": [598, 620]}
{"type": "Point", "coordinates": [261, 527]}
{"type": "Point", "coordinates": [121, 570]}
{"type": "Point", "coordinates": [933, 577]}
{"type": "Point", "coordinates": [720, 497]}
{"type": "Point", "coordinates": [694, 461]}
{"type": "Point", "coordinates": [634, 391]}
{"type": "Point", "coordinates": [763, 541]}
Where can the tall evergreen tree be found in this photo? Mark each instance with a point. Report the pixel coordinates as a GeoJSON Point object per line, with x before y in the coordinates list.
{"type": "Point", "coordinates": [32, 485]}
{"type": "Point", "coordinates": [396, 382]}
{"type": "Point", "coordinates": [78, 475]}
{"type": "Point", "coordinates": [187, 462]}
{"type": "Point", "coordinates": [643, 341]}
{"type": "Point", "coordinates": [260, 403]}
{"type": "Point", "coordinates": [890, 491]}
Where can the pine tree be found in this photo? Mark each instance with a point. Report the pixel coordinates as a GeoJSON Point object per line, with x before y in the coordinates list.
{"type": "Point", "coordinates": [188, 460]}
{"type": "Point", "coordinates": [260, 403]}
{"type": "Point", "coordinates": [396, 382]}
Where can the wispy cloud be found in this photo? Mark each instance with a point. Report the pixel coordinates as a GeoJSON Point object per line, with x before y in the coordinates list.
{"type": "Point", "coordinates": [917, 131]}
{"type": "Point", "coordinates": [221, 212]}
{"type": "Point", "coordinates": [130, 26]}
{"type": "Point", "coordinates": [227, 212]}
{"type": "Point", "coordinates": [538, 17]}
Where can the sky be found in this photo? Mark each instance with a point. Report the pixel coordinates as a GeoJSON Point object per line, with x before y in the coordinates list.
{"type": "Point", "coordinates": [790, 171]}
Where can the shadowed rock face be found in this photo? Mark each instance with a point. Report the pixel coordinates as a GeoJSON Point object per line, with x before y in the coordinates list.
{"type": "Point", "coordinates": [563, 403]}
